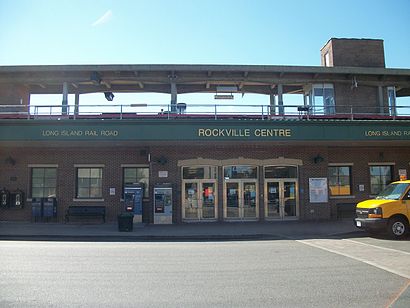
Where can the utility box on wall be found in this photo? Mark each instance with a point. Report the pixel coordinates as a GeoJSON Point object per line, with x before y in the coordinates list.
{"type": "Point", "coordinates": [163, 204]}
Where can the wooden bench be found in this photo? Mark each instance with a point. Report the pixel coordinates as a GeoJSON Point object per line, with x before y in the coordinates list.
{"type": "Point", "coordinates": [85, 211]}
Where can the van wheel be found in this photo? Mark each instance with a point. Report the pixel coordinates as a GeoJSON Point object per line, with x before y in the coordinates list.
{"type": "Point", "coordinates": [398, 227]}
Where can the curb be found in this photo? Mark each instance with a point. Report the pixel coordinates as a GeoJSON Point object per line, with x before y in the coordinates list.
{"type": "Point", "coordinates": [169, 238]}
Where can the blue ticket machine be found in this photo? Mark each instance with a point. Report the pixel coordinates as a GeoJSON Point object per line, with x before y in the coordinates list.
{"type": "Point", "coordinates": [133, 195]}
{"type": "Point", "coordinates": [163, 204]}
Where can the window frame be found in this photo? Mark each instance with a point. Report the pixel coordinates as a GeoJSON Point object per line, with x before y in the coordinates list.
{"type": "Point", "coordinates": [288, 167]}
{"type": "Point", "coordinates": [338, 180]}
{"type": "Point", "coordinates": [146, 184]}
{"type": "Point", "coordinates": [392, 100]}
{"type": "Point", "coordinates": [213, 172]}
{"type": "Point", "coordinates": [382, 186]}
{"type": "Point", "coordinates": [315, 107]}
{"type": "Point", "coordinates": [241, 166]}
{"type": "Point", "coordinates": [77, 182]}
{"type": "Point", "coordinates": [43, 187]}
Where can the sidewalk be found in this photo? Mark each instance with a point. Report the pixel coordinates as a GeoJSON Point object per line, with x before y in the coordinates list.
{"type": "Point", "coordinates": [193, 231]}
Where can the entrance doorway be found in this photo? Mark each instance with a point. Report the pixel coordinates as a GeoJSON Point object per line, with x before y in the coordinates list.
{"type": "Point", "coordinates": [281, 199]}
{"type": "Point", "coordinates": [199, 200]}
{"type": "Point", "coordinates": [199, 197]}
{"type": "Point", "coordinates": [241, 200]}
{"type": "Point", "coordinates": [281, 192]}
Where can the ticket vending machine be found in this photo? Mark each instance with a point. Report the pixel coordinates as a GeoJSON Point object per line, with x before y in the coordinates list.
{"type": "Point", "coordinates": [163, 204]}
{"type": "Point", "coordinates": [133, 195]}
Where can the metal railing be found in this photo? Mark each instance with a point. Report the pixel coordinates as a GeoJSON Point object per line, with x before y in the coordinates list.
{"type": "Point", "coordinates": [211, 111]}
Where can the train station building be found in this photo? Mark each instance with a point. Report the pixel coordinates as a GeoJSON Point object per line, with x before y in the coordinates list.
{"type": "Point", "coordinates": [343, 142]}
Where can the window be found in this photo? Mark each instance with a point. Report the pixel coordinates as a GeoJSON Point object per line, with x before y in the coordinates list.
{"type": "Point", "coordinates": [380, 177]}
{"type": "Point", "coordinates": [281, 172]}
{"type": "Point", "coordinates": [132, 175]}
{"type": "Point", "coordinates": [192, 173]}
{"type": "Point", "coordinates": [240, 172]}
{"type": "Point", "coordinates": [43, 182]}
{"type": "Point", "coordinates": [89, 183]}
{"type": "Point", "coordinates": [391, 94]}
{"type": "Point", "coordinates": [327, 59]}
{"type": "Point", "coordinates": [340, 180]}
{"type": "Point", "coordinates": [322, 99]}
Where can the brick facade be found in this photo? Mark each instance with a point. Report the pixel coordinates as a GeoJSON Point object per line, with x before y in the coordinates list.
{"type": "Point", "coordinates": [17, 176]}
{"type": "Point", "coordinates": [354, 53]}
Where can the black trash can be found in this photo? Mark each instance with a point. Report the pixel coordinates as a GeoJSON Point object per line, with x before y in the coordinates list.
{"type": "Point", "coordinates": [125, 222]}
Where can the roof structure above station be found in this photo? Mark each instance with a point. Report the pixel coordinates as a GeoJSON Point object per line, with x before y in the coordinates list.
{"type": "Point", "coordinates": [261, 79]}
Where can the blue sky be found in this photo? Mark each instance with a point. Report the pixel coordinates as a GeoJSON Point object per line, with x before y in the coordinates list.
{"type": "Point", "coordinates": [270, 32]}
{"type": "Point", "coordinates": [266, 32]}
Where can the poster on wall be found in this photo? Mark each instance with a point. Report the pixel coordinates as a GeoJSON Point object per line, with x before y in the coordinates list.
{"type": "Point", "coordinates": [318, 190]}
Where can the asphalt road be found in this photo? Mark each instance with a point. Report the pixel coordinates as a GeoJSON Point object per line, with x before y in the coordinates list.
{"type": "Point", "coordinates": [280, 273]}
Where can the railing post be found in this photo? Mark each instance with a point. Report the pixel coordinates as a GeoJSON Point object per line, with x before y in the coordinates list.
{"type": "Point", "coordinates": [121, 112]}
{"type": "Point", "coordinates": [262, 112]}
{"type": "Point", "coordinates": [351, 113]}
{"type": "Point", "coordinates": [215, 112]}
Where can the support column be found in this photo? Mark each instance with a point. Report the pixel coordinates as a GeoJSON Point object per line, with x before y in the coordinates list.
{"type": "Point", "coordinates": [76, 103]}
{"type": "Point", "coordinates": [272, 101]}
{"type": "Point", "coordinates": [280, 100]}
{"type": "Point", "coordinates": [64, 109]}
{"type": "Point", "coordinates": [173, 97]}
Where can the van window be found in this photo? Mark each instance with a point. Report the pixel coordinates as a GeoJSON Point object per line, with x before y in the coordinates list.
{"type": "Point", "coordinates": [393, 191]}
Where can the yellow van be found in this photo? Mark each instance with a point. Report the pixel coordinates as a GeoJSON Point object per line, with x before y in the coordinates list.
{"type": "Point", "coordinates": [389, 211]}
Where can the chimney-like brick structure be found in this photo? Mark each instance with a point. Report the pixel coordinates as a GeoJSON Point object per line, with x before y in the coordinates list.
{"type": "Point", "coordinates": [353, 52]}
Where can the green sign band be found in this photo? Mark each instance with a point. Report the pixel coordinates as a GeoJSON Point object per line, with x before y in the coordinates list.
{"type": "Point", "coordinates": [206, 130]}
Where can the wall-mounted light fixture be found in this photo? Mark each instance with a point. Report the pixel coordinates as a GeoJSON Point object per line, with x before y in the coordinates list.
{"type": "Point", "coordinates": [354, 83]}
{"type": "Point", "coordinates": [10, 161]}
{"type": "Point", "coordinates": [109, 96]}
{"type": "Point", "coordinates": [162, 160]}
{"type": "Point", "coordinates": [318, 159]}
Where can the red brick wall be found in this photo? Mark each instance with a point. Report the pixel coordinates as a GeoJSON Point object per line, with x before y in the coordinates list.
{"type": "Point", "coordinates": [354, 52]}
{"type": "Point", "coordinates": [14, 95]}
{"type": "Point", "coordinates": [363, 99]}
{"type": "Point", "coordinates": [17, 176]}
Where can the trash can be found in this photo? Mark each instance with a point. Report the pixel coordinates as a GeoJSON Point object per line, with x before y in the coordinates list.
{"type": "Point", "coordinates": [125, 222]}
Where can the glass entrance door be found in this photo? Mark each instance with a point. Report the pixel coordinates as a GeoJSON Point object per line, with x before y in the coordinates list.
{"type": "Point", "coordinates": [199, 200]}
{"type": "Point", "coordinates": [241, 200]}
{"type": "Point", "coordinates": [281, 199]}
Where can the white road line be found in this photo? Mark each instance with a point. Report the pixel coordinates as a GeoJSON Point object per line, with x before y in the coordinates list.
{"type": "Point", "coordinates": [379, 247]}
{"type": "Point", "coordinates": [392, 261]}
